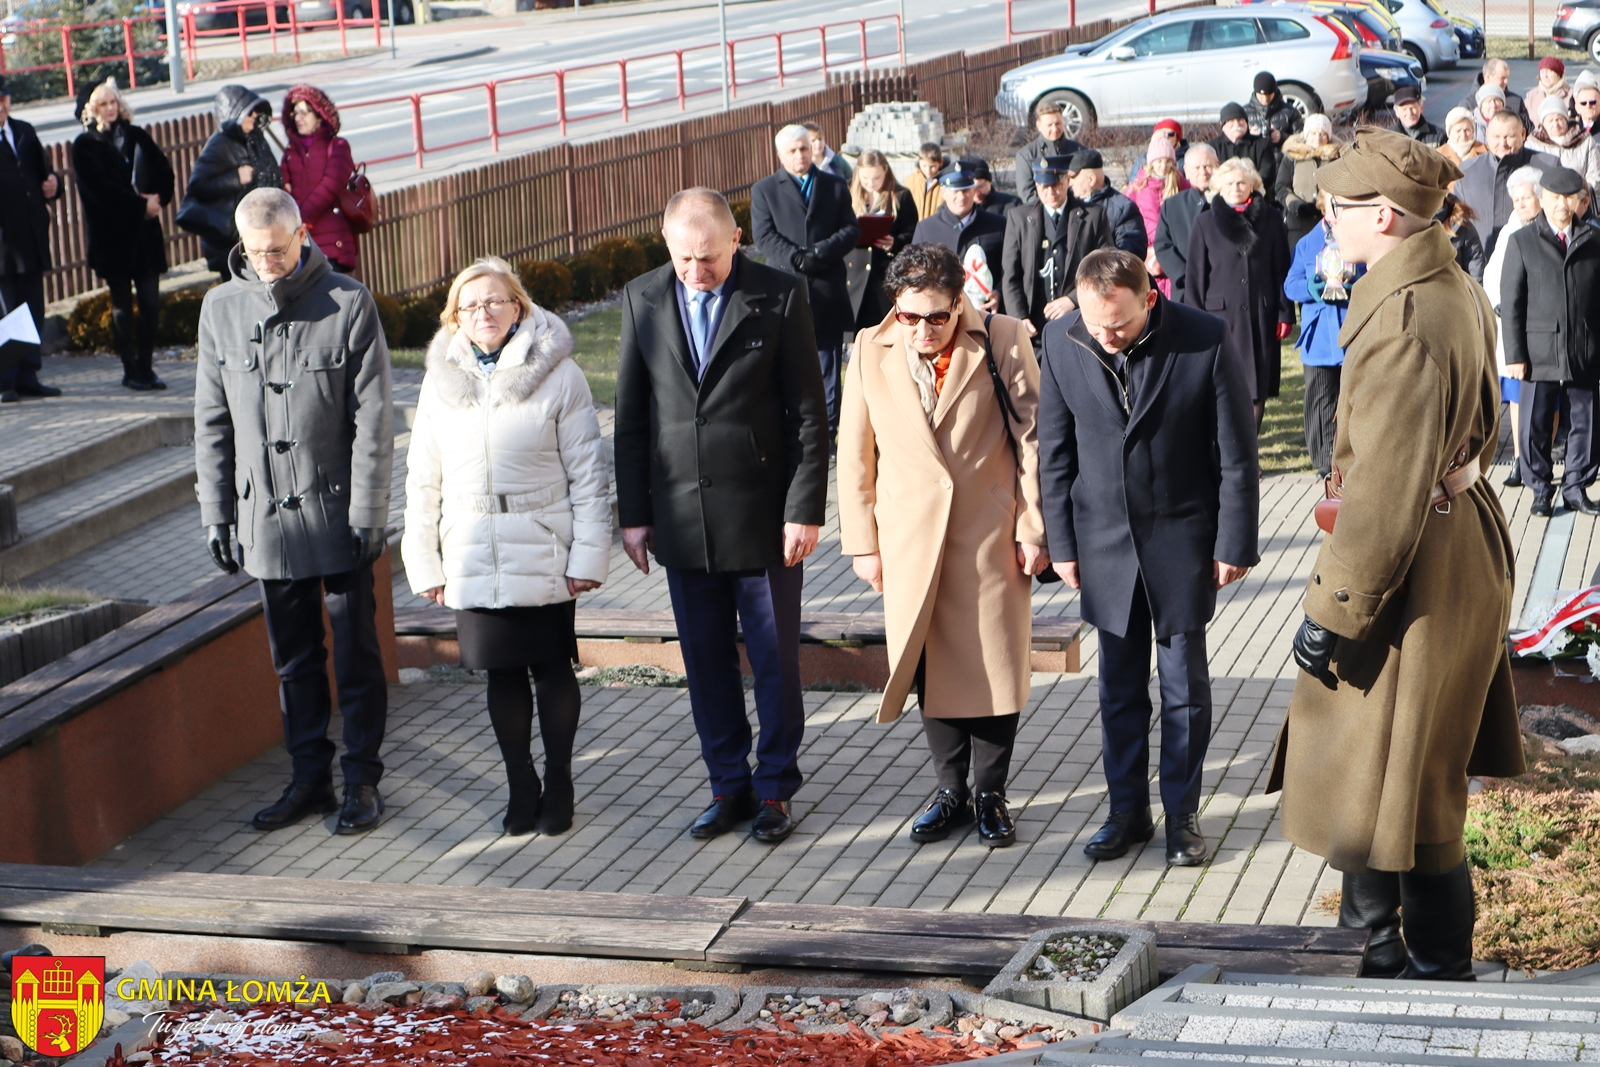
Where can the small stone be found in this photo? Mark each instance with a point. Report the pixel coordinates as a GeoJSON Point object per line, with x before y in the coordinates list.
{"type": "Point", "coordinates": [517, 988]}
{"type": "Point", "coordinates": [354, 993]}
{"type": "Point", "coordinates": [991, 1026]}
{"type": "Point", "coordinates": [413, 998]}
{"type": "Point", "coordinates": [869, 1005]}
{"type": "Point", "coordinates": [482, 1005]}
{"type": "Point", "coordinates": [479, 983]}
{"type": "Point", "coordinates": [11, 1048]}
{"type": "Point", "coordinates": [391, 993]}
{"type": "Point", "coordinates": [985, 1038]}
{"type": "Point", "coordinates": [438, 1001]}
{"type": "Point", "coordinates": [1587, 745]}
{"type": "Point", "coordinates": [1009, 1033]}
{"type": "Point", "coordinates": [909, 996]}
{"type": "Point", "coordinates": [383, 976]}
{"type": "Point", "coordinates": [813, 1002]}
{"type": "Point", "coordinates": [137, 971]}
{"type": "Point", "coordinates": [329, 1037]}
{"type": "Point", "coordinates": [113, 1019]}
{"type": "Point", "coordinates": [138, 1057]}
{"type": "Point", "coordinates": [765, 1014]}
{"type": "Point", "coordinates": [966, 1024]}
{"type": "Point", "coordinates": [878, 1018]}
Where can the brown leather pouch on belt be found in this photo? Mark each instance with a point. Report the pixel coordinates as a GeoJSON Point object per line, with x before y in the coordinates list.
{"type": "Point", "coordinates": [1327, 511]}
{"type": "Point", "coordinates": [1455, 482]}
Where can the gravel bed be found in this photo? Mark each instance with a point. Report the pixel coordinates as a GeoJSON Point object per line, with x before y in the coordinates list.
{"type": "Point", "coordinates": [1073, 958]}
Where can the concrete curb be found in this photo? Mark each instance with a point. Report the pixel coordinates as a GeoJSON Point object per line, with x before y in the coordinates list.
{"type": "Point", "coordinates": [1024, 1014]}
{"type": "Point", "coordinates": [1129, 975]}
{"type": "Point", "coordinates": [135, 439]}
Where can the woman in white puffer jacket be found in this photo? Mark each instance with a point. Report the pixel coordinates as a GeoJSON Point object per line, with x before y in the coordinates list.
{"type": "Point", "coordinates": [508, 518]}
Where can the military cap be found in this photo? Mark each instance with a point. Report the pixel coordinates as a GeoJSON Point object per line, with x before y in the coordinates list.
{"type": "Point", "coordinates": [975, 166]}
{"type": "Point", "coordinates": [1407, 94]}
{"type": "Point", "coordinates": [1385, 163]}
{"type": "Point", "coordinates": [958, 179]}
{"type": "Point", "coordinates": [1060, 164]}
{"type": "Point", "coordinates": [1044, 174]}
{"type": "Point", "coordinates": [1562, 180]}
{"type": "Point", "coordinates": [1088, 159]}
{"type": "Point", "coordinates": [1231, 112]}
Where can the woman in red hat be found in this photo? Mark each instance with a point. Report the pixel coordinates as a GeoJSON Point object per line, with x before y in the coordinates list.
{"type": "Point", "coordinates": [1552, 84]}
{"type": "Point", "coordinates": [316, 166]}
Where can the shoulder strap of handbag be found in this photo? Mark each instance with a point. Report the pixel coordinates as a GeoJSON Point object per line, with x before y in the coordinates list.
{"type": "Point", "coordinates": [1008, 410]}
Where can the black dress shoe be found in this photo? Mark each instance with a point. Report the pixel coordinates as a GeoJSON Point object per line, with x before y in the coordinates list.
{"type": "Point", "coordinates": [1580, 503]}
{"type": "Point", "coordinates": [772, 823]}
{"type": "Point", "coordinates": [1541, 508]}
{"type": "Point", "coordinates": [1185, 846]}
{"type": "Point", "coordinates": [1514, 479]}
{"type": "Point", "coordinates": [136, 384]}
{"type": "Point", "coordinates": [720, 817]}
{"type": "Point", "coordinates": [299, 800]}
{"type": "Point", "coordinates": [37, 389]}
{"type": "Point", "coordinates": [9, 396]}
{"type": "Point", "coordinates": [157, 383]}
{"type": "Point", "coordinates": [947, 810]}
{"type": "Point", "coordinates": [994, 821]}
{"type": "Point", "coordinates": [1123, 830]}
{"type": "Point", "coordinates": [363, 807]}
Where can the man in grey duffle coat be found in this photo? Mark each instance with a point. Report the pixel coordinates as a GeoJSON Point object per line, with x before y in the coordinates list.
{"type": "Point", "coordinates": [294, 443]}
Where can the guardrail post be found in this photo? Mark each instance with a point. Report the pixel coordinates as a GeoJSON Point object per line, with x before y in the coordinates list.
{"type": "Point", "coordinates": [272, 25]}
{"type": "Point", "coordinates": [822, 37]}
{"type": "Point", "coordinates": [244, 39]}
{"type": "Point", "coordinates": [622, 86]}
{"type": "Point", "coordinates": [494, 117]}
{"type": "Point", "coordinates": [779, 38]}
{"type": "Point", "coordinates": [863, 45]}
{"type": "Point", "coordinates": [416, 126]}
{"type": "Point", "coordinates": [733, 73]}
{"type": "Point", "coordinates": [188, 44]}
{"type": "Point", "coordinates": [1072, 14]}
{"type": "Point", "coordinates": [561, 100]}
{"type": "Point", "coordinates": [1008, 21]}
{"type": "Point", "coordinates": [338, 16]}
{"type": "Point", "coordinates": [1152, 7]}
{"type": "Point", "coordinates": [683, 98]}
{"type": "Point", "coordinates": [900, 36]}
{"type": "Point", "coordinates": [127, 45]}
{"type": "Point", "coordinates": [377, 23]}
{"type": "Point", "coordinates": [294, 31]}
{"type": "Point", "coordinates": [66, 60]}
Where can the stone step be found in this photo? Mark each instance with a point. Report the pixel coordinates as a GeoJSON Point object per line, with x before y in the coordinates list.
{"type": "Point", "coordinates": [107, 445]}
{"type": "Point", "coordinates": [88, 511]}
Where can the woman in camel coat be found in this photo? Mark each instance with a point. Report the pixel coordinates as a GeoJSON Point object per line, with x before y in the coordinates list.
{"type": "Point", "coordinates": [945, 520]}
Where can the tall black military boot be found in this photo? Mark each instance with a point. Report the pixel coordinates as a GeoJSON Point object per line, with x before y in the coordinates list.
{"type": "Point", "coordinates": [1437, 911]}
{"type": "Point", "coordinates": [1372, 902]}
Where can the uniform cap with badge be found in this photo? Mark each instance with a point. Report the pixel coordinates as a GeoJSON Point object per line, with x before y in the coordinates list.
{"type": "Point", "coordinates": [1048, 170]}
{"type": "Point", "coordinates": [1385, 163]}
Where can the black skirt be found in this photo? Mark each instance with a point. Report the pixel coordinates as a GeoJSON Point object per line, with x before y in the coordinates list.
{"type": "Point", "coordinates": [497, 638]}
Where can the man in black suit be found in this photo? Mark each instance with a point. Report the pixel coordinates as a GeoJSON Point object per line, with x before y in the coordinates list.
{"type": "Point", "coordinates": [1178, 213]}
{"type": "Point", "coordinates": [1237, 142]}
{"type": "Point", "coordinates": [722, 473]}
{"type": "Point", "coordinates": [959, 224]}
{"type": "Point", "coordinates": [1147, 463]}
{"type": "Point", "coordinates": [1045, 242]}
{"type": "Point", "coordinates": [1483, 177]}
{"type": "Point", "coordinates": [27, 184]}
{"type": "Point", "coordinates": [805, 224]}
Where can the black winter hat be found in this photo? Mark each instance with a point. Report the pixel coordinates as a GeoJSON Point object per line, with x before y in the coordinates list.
{"type": "Point", "coordinates": [1562, 180]}
{"type": "Point", "coordinates": [1265, 82]}
{"type": "Point", "coordinates": [1231, 112]}
{"type": "Point", "coordinates": [1088, 159]}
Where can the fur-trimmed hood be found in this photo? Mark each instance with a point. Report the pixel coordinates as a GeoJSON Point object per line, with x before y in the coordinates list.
{"type": "Point", "coordinates": [541, 343]}
{"type": "Point", "coordinates": [1295, 148]}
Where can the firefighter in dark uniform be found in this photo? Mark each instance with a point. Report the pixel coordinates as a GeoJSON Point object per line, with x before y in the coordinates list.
{"type": "Point", "coordinates": [960, 223]}
{"type": "Point", "coordinates": [1045, 242]}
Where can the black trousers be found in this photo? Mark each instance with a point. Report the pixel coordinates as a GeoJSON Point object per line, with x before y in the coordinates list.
{"type": "Point", "coordinates": [137, 349]}
{"type": "Point", "coordinates": [1322, 401]}
{"type": "Point", "coordinates": [20, 361]}
{"type": "Point", "coordinates": [1538, 406]}
{"type": "Point", "coordinates": [1125, 713]}
{"type": "Point", "coordinates": [294, 630]}
{"type": "Point", "coordinates": [982, 745]}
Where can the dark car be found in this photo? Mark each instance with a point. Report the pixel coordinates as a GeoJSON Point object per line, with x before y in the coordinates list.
{"type": "Point", "coordinates": [1578, 26]}
{"type": "Point", "coordinates": [1385, 72]}
{"type": "Point", "coordinates": [1469, 39]}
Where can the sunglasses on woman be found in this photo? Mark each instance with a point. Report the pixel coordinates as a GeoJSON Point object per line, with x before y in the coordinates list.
{"type": "Point", "coordinates": [932, 318]}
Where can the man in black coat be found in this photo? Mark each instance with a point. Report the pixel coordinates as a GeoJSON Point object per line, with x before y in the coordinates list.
{"type": "Point", "coordinates": [1408, 105]}
{"type": "Point", "coordinates": [1147, 465]}
{"type": "Point", "coordinates": [1497, 71]}
{"type": "Point", "coordinates": [27, 184]}
{"type": "Point", "coordinates": [1045, 242]}
{"type": "Point", "coordinates": [1483, 178]}
{"type": "Point", "coordinates": [960, 224]}
{"type": "Point", "coordinates": [1122, 214]}
{"type": "Point", "coordinates": [805, 224]}
{"type": "Point", "coordinates": [722, 473]}
{"type": "Point", "coordinates": [1550, 314]}
{"type": "Point", "coordinates": [1236, 141]}
{"type": "Point", "coordinates": [1052, 141]}
{"type": "Point", "coordinates": [990, 199]}
{"type": "Point", "coordinates": [1178, 212]}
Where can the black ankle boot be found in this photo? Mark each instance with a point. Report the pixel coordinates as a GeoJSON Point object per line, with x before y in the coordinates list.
{"type": "Point", "coordinates": [1372, 902]}
{"type": "Point", "coordinates": [522, 812]}
{"type": "Point", "coordinates": [1437, 912]}
{"type": "Point", "coordinates": [556, 816]}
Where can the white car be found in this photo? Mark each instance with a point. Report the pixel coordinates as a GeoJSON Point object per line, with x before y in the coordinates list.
{"type": "Point", "coordinates": [1427, 31]}
{"type": "Point", "coordinates": [1187, 64]}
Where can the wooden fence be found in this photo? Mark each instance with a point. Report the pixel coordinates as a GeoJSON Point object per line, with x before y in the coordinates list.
{"type": "Point", "coordinates": [561, 199]}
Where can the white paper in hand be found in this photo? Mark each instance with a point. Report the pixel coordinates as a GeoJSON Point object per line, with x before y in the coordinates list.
{"type": "Point", "coordinates": [980, 280]}
{"type": "Point", "coordinates": [18, 326]}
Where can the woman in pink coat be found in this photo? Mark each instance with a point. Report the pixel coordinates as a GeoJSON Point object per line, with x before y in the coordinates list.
{"type": "Point", "coordinates": [1158, 179]}
{"type": "Point", "coordinates": [316, 166]}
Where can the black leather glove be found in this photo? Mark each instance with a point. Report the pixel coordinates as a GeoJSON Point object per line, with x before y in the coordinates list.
{"type": "Point", "coordinates": [221, 546]}
{"type": "Point", "coordinates": [806, 261]}
{"type": "Point", "coordinates": [368, 545]}
{"type": "Point", "coordinates": [1313, 648]}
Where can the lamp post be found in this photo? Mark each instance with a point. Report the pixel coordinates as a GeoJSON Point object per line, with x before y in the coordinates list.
{"type": "Point", "coordinates": [174, 46]}
{"type": "Point", "coordinates": [722, 28]}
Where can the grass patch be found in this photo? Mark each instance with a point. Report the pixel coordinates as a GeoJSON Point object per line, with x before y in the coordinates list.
{"type": "Point", "coordinates": [1283, 428]}
{"type": "Point", "coordinates": [596, 340]}
{"type": "Point", "coordinates": [1535, 844]}
{"type": "Point", "coordinates": [14, 601]}
{"type": "Point", "coordinates": [1508, 47]}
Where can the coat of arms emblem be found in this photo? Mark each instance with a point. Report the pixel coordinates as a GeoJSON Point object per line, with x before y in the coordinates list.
{"type": "Point", "coordinates": [58, 1002]}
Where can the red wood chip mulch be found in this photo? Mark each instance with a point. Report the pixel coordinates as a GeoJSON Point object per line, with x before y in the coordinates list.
{"type": "Point", "coordinates": [341, 1034]}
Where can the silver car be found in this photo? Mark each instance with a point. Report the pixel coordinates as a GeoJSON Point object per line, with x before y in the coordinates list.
{"type": "Point", "coordinates": [1428, 32]}
{"type": "Point", "coordinates": [1187, 64]}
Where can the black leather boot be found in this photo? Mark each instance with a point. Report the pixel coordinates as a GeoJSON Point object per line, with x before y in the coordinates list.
{"type": "Point", "coordinates": [1372, 902]}
{"type": "Point", "coordinates": [522, 810]}
{"type": "Point", "coordinates": [1437, 912]}
{"type": "Point", "coordinates": [555, 814]}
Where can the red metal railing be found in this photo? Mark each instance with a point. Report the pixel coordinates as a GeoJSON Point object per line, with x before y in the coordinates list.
{"type": "Point", "coordinates": [277, 17]}
{"type": "Point", "coordinates": [560, 81]}
{"type": "Point", "coordinates": [69, 61]}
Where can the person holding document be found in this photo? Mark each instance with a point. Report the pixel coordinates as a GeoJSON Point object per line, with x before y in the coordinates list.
{"type": "Point", "coordinates": [887, 215]}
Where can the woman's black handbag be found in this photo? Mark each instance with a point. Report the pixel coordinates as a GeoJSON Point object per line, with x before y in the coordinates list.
{"type": "Point", "coordinates": [209, 220]}
{"type": "Point", "coordinates": [1008, 412]}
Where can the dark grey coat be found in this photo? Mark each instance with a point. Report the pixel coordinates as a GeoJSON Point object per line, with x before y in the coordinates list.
{"type": "Point", "coordinates": [215, 176]}
{"type": "Point", "coordinates": [1026, 249]}
{"type": "Point", "coordinates": [293, 418]}
{"type": "Point", "coordinates": [24, 212]}
{"type": "Point", "coordinates": [1161, 491]}
{"type": "Point", "coordinates": [1483, 189]}
{"type": "Point", "coordinates": [785, 223]}
{"type": "Point", "coordinates": [1124, 218]}
{"type": "Point", "coordinates": [1031, 153]}
{"type": "Point", "coordinates": [1173, 228]}
{"type": "Point", "coordinates": [1550, 303]}
{"type": "Point", "coordinates": [1237, 263]}
{"type": "Point", "coordinates": [717, 466]}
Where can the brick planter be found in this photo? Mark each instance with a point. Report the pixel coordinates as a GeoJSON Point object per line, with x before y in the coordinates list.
{"type": "Point", "coordinates": [721, 1001]}
{"type": "Point", "coordinates": [1129, 975]}
{"type": "Point", "coordinates": [937, 1013]}
{"type": "Point", "coordinates": [1020, 1014]}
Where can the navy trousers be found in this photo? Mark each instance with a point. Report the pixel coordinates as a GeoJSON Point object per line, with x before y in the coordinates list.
{"type": "Point", "coordinates": [829, 358]}
{"type": "Point", "coordinates": [710, 608]}
{"type": "Point", "coordinates": [1125, 713]}
{"type": "Point", "coordinates": [293, 608]}
{"type": "Point", "coordinates": [1538, 406]}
